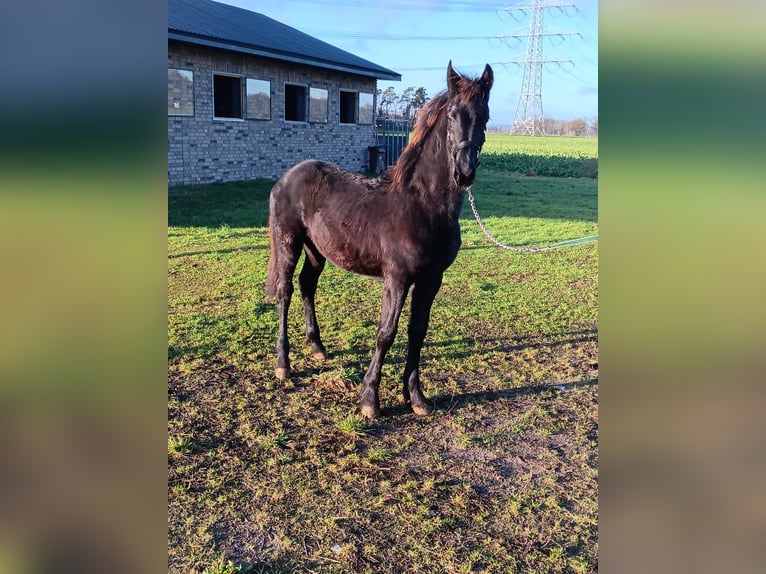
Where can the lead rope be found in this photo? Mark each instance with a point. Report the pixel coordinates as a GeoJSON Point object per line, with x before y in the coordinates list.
{"type": "Point", "coordinates": [523, 249]}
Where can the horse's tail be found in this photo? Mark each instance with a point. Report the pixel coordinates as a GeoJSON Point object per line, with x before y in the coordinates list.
{"type": "Point", "coordinates": [271, 277]}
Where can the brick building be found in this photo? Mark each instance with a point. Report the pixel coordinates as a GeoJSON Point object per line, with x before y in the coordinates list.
{"type": "Point", "coordinates": [249, 97]}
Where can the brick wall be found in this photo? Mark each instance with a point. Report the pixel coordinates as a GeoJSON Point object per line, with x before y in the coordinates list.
{"type": "Point", "coordinates": [202, 149]}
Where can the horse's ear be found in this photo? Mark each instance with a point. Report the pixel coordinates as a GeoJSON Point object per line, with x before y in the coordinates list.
{"type": "Point", "coordinates": [452, 79]}
{"type": "Point", "coordinates": [487, 79]}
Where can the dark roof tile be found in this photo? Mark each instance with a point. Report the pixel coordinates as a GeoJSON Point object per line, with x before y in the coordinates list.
{"type": "Point", "coordinates": [219, 25]}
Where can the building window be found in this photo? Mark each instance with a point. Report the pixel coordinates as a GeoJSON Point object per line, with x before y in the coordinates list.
{"type": "Point", "coordinates": [258, 99]}
{"type": "Point", "coordinates": [180, 92]}
{"type": "Point", "coordinates": [366, 107]}
{"type": "Point", "coordinates": [295, 103]}
{"type": "Point", "coordinates": [347, 107]}
{"type": "Point", "coordinates": [227, 96]}
{"type": "Point", "coordinates": [318, 105]}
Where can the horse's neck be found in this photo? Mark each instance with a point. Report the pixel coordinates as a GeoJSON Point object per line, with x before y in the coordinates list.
{"type": "Point", "coordinates": [434, 177]}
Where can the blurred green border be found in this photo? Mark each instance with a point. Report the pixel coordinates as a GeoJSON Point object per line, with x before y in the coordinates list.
{"type": "Point", "coordinates": [681, 217]}
{"type": "Point", "coordinates": [682, 237]}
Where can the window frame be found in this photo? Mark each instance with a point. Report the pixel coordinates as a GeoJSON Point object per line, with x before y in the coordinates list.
{"type": "Point", "coordinates": [247, 93]}
{"type": "Point", "coordinates": [193, 108]}
{"type": "Point", "coordinates": [355, 94]}
{"type": "Point", "coordinates": [359, 108]}
{"type": "Point", "coordinates": [239, 118]}
{"type": "Point", "coordinates": [305, 103]}
{"type": "Point", "coordinates": [326, 119]}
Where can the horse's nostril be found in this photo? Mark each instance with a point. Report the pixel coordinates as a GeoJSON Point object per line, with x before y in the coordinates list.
{"type": "Point", "coordinates": [465, 178]}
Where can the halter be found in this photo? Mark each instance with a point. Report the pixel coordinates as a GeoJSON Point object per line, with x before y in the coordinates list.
{"type": "Point", "coordinates": [467, 143]}
{"type": "Point", "coordinates": [464, 144]}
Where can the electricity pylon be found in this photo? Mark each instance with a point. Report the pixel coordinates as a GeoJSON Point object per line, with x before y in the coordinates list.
{"type": "Point", "coordinates": [528, 119]}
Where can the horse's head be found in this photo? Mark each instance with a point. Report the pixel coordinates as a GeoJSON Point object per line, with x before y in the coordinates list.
{"type": "Point", "coordinates": [467, 116]}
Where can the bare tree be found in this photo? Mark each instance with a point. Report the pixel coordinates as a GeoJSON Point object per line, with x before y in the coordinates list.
{"type": "Point", "coordinates": [419, 99]}
{"type": "Point", "coordinates": [387, 99]}
{"type": "Point", "coordinates": [405, 105]}
{"type": "Point", "coordinates": [405, 101]}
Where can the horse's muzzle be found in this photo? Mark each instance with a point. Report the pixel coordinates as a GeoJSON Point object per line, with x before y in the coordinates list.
{"type": "Point", "coordinates": [466, 162]}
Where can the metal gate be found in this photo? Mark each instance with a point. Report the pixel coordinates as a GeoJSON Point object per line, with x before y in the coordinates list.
{"type": "Point", "coordinates": [391, 138]}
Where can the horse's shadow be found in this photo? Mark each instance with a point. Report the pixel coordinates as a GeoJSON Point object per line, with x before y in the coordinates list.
{"type": "Point", "coordinates": [447, 404]}
{"type": "Point", "coordinates": [476, 345]}
{"type": "Point", "coordinates": [244, 248]}
{"type": "Point", "coordinates": [355, 360]}
{"type": "Point", "coordinates": [451, 403]}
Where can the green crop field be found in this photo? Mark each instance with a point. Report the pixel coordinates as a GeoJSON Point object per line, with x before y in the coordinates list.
{"type": "Point", "coordinates": [271, 476]}
{"type": "Point", "coordinates": [542, 155]}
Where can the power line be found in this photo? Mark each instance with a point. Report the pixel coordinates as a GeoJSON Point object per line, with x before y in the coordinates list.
{"type": "Point", "coordinates": [528, 118]}
{"type": "Point", "coordinates": [395, 37]}
{"type": "Point", "coordinates": [457, 67]}
{"type": "Point", "coordinates": [413, 5]}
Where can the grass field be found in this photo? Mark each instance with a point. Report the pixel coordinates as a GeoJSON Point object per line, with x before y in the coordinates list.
{"type": "Point", "coordinates": [541, 155]}
{"type": "Point", "coordinates": [547, 156]}
{"type": "Point", "coordinates": [269, 476]}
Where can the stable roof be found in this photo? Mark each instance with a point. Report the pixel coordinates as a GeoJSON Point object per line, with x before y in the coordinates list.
{"type": "Point", "coordinates": [217, 25]}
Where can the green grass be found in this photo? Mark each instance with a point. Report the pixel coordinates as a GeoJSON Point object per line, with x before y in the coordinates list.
{"type": "Point", "coordinates": [270, 476]}
{"type": "Point", "coordinates": [352, 424]}
{"type": "Point", "coordinates": [541, 155]}
{"type": "Point", "coordinates": [551, 156]}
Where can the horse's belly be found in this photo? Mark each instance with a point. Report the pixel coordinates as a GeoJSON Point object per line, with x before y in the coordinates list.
{"type": "Point", "coordinates": [352, 254]}
{"type": "Point", "coordinates": [359, 267]}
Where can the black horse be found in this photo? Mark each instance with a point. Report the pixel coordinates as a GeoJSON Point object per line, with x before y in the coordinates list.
{"type": "Point", "coordinates": [402, 227]}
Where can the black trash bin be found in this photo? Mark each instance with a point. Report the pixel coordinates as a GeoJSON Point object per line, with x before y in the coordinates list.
{"type": "Point", "coordinates": [376, 154]}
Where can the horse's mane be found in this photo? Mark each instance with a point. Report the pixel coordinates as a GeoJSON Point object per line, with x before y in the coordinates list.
{"type": "Point", "coordinates": [428, 117]}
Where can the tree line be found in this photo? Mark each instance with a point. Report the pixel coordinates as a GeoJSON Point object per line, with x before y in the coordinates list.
{"type": "Point", "coordinates": [575, 127]}
{"type": "Point", "coordinates": [401, 106]}
{"type": "Point", "coordinates": [407, 104]}
{"type": "Point", "coordinates": [582, 127]}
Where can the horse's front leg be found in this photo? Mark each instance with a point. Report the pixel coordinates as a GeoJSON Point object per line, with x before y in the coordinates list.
{"type": "Point", "coordinates": [394, 294]}
{"type": "Point", "coordinates": [423, 295]}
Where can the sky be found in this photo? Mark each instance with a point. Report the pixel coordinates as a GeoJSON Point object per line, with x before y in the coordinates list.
{"type": "Point", "coordinates": [417, 39]}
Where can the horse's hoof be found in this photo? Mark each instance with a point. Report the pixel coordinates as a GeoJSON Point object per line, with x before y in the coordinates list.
{"type": "Point", "coordinates": [423, 411]}
{"type": "Point", "coordinates": [370, 412]}
{"type": "Point", "coordinates": [282, 373]}
{"type": "Point", "coordinates": [319, 356]}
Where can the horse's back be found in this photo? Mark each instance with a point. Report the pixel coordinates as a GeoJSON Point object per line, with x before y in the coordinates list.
{"type": "Point", "coordinates": [312, 183]}
{"type": "Point", "coordinates": [292, 192]}
{"type": "Point", "coordinates": [357, 223]}
{"type": "Point", "coordinates": [297, 178]}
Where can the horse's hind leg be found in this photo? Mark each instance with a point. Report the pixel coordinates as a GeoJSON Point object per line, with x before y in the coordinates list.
{"type": "Point", "coordinates": [423, 295]}
{"type": "Point", "coordinates": [289, 250]}
{"type": "Point", "coordinates": [312, 268]}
